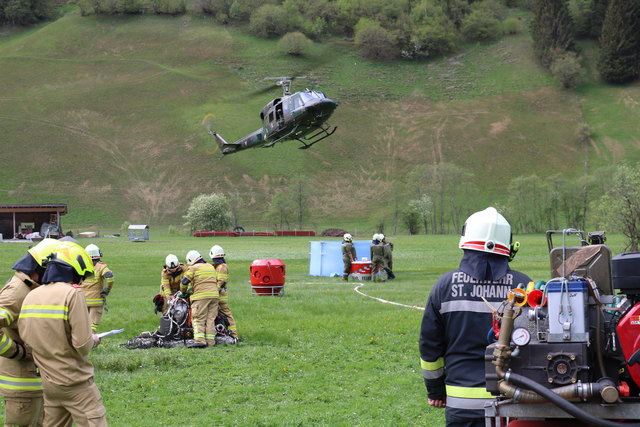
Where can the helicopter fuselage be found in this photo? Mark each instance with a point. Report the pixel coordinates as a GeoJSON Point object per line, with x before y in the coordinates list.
{"type": "Point", "coordinates": [301, 116]}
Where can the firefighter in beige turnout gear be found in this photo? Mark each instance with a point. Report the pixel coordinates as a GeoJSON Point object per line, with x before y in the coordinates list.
{"type": "Point", "coordinates": [97, 287]}
{"type": "Point", "coordinates": [170, 279]}
{"type": "Point", "coordinates": [20, 383]}
{"type": "Point", "coordinates": [54, 323]}
{"type": "Point", "coordinates": [200, 284]}
{"type": "Point", "coordinates": [219, 263]}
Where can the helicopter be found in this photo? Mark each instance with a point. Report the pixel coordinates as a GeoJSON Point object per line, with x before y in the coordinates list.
{"type": "Point", "coordinates": [300, 116]}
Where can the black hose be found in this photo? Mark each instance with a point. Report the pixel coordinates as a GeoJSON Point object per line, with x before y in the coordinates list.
{"type": "Point", "coordinates": [565, 405]}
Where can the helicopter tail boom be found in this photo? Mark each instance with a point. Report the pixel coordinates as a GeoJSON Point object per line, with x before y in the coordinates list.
{"type": "Point", "coordinates": [254, 139]}
{"type": "Point", "coordinates": [225, 147]}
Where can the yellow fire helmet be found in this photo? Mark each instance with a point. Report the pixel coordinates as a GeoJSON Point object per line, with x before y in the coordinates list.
{"type": "Point", "coordinates": [42, 250]}
{"type": "Point", "coordinates": [74, 255]}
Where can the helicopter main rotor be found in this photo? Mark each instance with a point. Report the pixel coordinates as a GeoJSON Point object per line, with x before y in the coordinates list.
{"type": "Point", "coordinates": [285, 82]}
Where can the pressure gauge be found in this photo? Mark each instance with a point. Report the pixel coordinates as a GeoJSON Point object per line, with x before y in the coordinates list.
{"type": "Point", "coordinates": [521, 337]}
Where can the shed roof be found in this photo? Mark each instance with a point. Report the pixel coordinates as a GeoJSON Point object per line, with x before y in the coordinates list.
{"type": "Point", "coordinates": [61, 208]}
{"type": "Point", "coordinates": [138, 227]}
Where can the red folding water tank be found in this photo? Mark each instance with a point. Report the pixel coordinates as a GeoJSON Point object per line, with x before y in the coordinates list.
{"type": "Point", "coordinates": [267, 277]}
{"type": "Point", "coordinates": [361, 270]}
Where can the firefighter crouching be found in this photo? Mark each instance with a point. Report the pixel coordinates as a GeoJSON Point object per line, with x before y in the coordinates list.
{"type": "Point", "coordinates": [20, 383]}
{"type": "Point", "coordinates": [453, 335]}
{"type": "Point", "coordinates": [54, 323]}
{"type": "Point", "coordinates": [170, 279]}
{"type": "Point", "coordinates": [200, 283]}
{"type": "Point", "coordinates": [97, 287]}
{"type": "Point", "coordinates": [220, 264]}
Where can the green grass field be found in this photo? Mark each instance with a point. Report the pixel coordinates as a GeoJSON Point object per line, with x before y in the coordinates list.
{"type": "Point", "coordinates": [320, 355]}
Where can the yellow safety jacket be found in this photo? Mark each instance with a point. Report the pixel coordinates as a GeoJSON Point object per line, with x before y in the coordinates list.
{"type": "Point", "coordinates": [18, 378]}
{"type": "Point", "coordinates": [223, 279]}
{"type": "Point", "coordinates": [54, 323]}
{"type": "Point", "coordinates": [200, 280]}
{"type": "Point", "coordinates": [170, 281]}
{"type": "Point", "coordinates": [102, 278]}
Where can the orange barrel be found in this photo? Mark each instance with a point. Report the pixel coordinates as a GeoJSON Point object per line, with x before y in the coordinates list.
{"type": "Point", "coordinates": [267, 277]}
{"type": "Point", "coordinates": [361, 270]}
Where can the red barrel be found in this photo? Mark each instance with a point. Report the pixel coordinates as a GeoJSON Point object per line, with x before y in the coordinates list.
{"type": "Point", "coordinates": [267, 277]}
{"type": "Point", "coordinates": [361, 270]}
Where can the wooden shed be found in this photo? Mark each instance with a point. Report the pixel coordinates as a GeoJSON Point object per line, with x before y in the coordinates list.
{"type": "Point", "coordinates": [19, 220]}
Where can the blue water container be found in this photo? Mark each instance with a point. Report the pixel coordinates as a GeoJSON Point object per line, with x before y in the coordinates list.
{"type": "Point", "coordinates": [325, 257]}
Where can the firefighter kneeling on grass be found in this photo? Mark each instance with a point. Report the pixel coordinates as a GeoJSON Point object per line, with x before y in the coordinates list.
{"type": "Point", "coordinates": [170, 280]}
{"type": "Point", "coordinates": [200, 284]}
{"type": "Point", "coordinates": [453, 336]}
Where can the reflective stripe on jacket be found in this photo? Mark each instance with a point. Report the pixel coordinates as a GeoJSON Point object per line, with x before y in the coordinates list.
{"type": "Point", "coordinates": [18, 378]}
{"type": "Point", "coordinates": [453, 334]}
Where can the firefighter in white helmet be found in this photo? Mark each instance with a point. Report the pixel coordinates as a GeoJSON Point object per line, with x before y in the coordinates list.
{"type": "Point", "coordinates": [220, 264]}
{"type": "Point", "coordinates": [54, 322]}
{"type": "Point", "coordinates": [348, 255]}
{"type": "Point", "coordinates": [200, 282]}
{"type": "Point", "coordinates": [453, 335]}
{"type": "Point", "coordinates": [97, 287]}
{"type": "Point", "coordinates": [388, 256]}
{"type": "Point", "coordinates": [20, 383]}
{"type": "Point", "coordinates": [378, 262]}
{"type": "Point", "coordinates": [170, 278]}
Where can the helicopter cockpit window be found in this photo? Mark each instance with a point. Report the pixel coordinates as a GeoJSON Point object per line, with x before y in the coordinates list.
{"type": "Point", "coordinates": [296, 101]}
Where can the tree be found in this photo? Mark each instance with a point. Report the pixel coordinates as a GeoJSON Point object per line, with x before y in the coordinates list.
{"type": "Point", "coordinates": [411, 217]}
{"type": "Point", "coordinates": [551, 29]}
{"type": "Point", "coordinates": [418, 212]}
{"type": "Point", "coordinates": [280, 213]}
{"type": "Point", "coordinates": [208, 212]}
{"type": "Point", "coordinates": [620, 42]}
{"type": "Point", "coordinates": [299, 195]}
{"type": "Point", "coordinates": [619, 207]}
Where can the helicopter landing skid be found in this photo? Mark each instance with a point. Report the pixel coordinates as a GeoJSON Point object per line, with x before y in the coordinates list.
{"type": "Point", "coordinates": [308, 142]}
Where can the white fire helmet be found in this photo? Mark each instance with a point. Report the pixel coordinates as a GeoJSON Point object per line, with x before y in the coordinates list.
{"type": "Point", "coordinates": [486, 231]}
{"type": "Point", "coordinates": [93, 251]}
{"type": "Point", "coordinates": [375, 237]}
{"type": "Point", "coordinates": [216, 252]}
{"type": "Point", "coordinates": [193, 256]}
{"type": "Point", "coordinates": [171, 261]}
{"type": "Point", "coordinates": [381, 237]}
{"type": "Point", "coordinates": [347, 237]}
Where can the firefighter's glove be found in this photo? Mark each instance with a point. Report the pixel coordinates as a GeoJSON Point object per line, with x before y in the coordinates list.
{"type": "Point", "coordinates": [21, 352]}
{"type": "Point", "coordinates": [182, 294]}
{"type": "Point", "coordinates": [104, 292]}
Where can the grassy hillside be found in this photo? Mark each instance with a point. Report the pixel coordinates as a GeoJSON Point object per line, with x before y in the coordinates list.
{"type": "Point", "coordinates": [105, 114]}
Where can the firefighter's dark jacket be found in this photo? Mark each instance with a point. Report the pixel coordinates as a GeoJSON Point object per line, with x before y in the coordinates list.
{"type": "Point", "coordinates": [456, 321]}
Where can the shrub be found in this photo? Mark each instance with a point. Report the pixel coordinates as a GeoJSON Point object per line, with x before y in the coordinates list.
{"type": "Point", "coordinates": [295, 44]}
{"type": "Point", "coordinates": [480, 25]}
{"type": "Point", "coordinates": [269, 20]}
{"type": "Point", "coordinates": [431, 39]}
{"type": "Point", "coordinates": [208, 212]}
{"type": "Point", "coordinates": [375, 42]}
{"type": "Point", "coordinates": [511, 26]}
{"type": "Point", "coordinates": [566, 67]}
{"type": "Point", "coordinates": [169, 7]}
